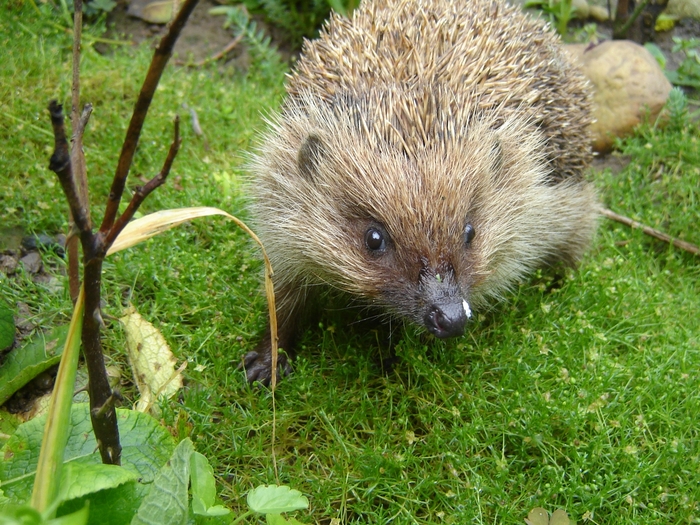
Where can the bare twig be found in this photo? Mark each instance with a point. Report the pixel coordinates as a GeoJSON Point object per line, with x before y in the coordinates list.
{"type": "Point", "coordinates": [144, 191]}
{"type": "Point", "coordinates": [60, 163]}
{"type": "Point", "coordinates": [160, 59]}
{"type": "Point", "coordinates": [105, 426]}
{"type": "Point", "coordinates": [695, 250]}
{"type": "Point", "coordinates": [220, 54]}
{"type": "Point", "coordinates": [77, 157]}
{"type": "Point", "coordinates": [73, 261]}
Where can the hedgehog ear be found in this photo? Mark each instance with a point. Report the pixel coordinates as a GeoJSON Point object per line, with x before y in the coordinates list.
{"type": "Point", "coordinates": [309, 156]}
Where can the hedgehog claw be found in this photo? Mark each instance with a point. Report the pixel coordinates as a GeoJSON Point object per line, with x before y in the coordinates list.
{"type": "Point", "coordinates": [258, 367]}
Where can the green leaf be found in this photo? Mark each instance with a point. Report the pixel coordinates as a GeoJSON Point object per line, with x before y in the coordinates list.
{"type": "Point", "coordinates": [274, 499]}
{"type": "Point", "coordinates": [167, 501]}
{"type": "Point", "coordinates": [146, 446]}
{"type": "Point", "coordinates": [7, 327]}
{"type": "Point", "coordinates": [203, 487]}
{"type": "Point", "coordinates": [115, 506]}
{"type": "Point", "coordinates": [79, 517]}
{"type": "Point", "coordinates": [79, 479]}
{"type": "Point", "coordinates": [657, 53]}
{"type": "Point", "coordinates": [24, 515]}
{"type": "Point", "coordinates": [24, 364]}
{"type": "Point", "coordinates": [8, 426]}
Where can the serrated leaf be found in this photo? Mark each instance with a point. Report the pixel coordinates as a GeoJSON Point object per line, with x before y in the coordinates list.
{"type": "Point", "coordinates": [146, 446]}
{"type": "Point", "coordinates": [167, 501]}
{"type": "Point", "coordinates": [7, 327]}
{"type": "Point", "coordinates": [24, 364]}
{"type": "Point", "coordinates": [275, 499]}
{"type": "Point", "coordinates": [151, 360]}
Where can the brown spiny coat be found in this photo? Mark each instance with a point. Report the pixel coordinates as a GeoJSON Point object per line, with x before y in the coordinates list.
{"type": "Point", "coordinates": [429, 155]}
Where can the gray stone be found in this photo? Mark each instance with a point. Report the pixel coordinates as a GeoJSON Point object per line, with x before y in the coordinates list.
{"type": "Point", "coordinates": [31, 262]}
{"type": "Point", "coordinates": [628, 86]}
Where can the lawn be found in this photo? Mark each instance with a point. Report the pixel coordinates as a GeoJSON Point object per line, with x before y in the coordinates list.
{"type": "Point", "coordinates": [579, 392]}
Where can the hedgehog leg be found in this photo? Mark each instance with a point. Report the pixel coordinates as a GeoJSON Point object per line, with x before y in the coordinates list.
{"type": "Point", "coordinates": [258, 363]}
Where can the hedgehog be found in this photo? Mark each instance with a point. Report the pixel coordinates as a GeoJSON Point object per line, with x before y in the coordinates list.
{"type": "Point", "coordinates": [428, 156]}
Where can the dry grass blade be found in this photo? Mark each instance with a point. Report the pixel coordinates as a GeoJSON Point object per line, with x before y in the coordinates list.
{"type": "Point", "coordinates": [151, 225]}
{"type": "Point", "coordinates": [146, 227]}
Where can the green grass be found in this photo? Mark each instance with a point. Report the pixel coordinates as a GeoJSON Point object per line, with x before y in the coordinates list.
{"type": "Point", "coordinates": [584, 396]}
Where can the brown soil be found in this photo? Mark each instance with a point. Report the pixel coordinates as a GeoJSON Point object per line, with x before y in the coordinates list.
{"type": "Point", "coordinates": [203, 36]}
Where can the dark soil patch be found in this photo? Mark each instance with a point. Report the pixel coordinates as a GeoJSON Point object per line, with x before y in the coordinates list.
{"type": "Point", "coordinates": [203, 36]}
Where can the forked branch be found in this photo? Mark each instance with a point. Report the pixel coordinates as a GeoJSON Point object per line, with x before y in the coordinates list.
{"type": "Point", "coordinates": [96, 244]}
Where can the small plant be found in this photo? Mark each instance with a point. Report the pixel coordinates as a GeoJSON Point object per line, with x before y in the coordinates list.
{"type": "Point", "coordinates": [677, 109]}
{"type": "Point", "coordinates": [159, 482]}
{"type": "Point", "coordinates": [298, 19]}
{"type": "Point", "coordinates": [688, 72]}
{"type": "Point", "coordinates": [264, 54]}
{"type": "Point", "coordinates": [559, 12]}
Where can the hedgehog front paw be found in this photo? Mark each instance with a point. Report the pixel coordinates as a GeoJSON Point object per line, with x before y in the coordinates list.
{"type": "Point", "coordinates": [258, 366]}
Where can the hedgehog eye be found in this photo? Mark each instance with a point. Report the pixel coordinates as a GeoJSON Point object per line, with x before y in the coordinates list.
{"type": "Point", "coordinates": [375, 240]}
{"type": "Point", "coordinates": [469, 233]}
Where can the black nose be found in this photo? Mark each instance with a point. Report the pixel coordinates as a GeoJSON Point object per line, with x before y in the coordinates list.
{"type": "Point", "coordinates": [446, 320]}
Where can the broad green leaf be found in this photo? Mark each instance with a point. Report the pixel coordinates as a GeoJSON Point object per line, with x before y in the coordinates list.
{"type": "Point", "coordinates": [7, 327]}
{"type": "Point", "coordinates": [16, 515]}
{"type": "Point", "coordinates": [115, 506]}
{"type": "Point", "coordinates": [8, 425]}
{"type": "Point", "coordinates": [79, 517]}
{"type": "Point", "coordinates": [275, 499]}
{"type": "Point", "coordinates": [24, 364]}
{"type": "Point", "coordinates": [146, 446]}
{"type": "Point", "coordinates": [202, 478]}
{"type": "Point", "coordinates": [203, 487]}
{"type": "Point", "coordinates": [167, 500]}
{"type": "Point", "coordinates": [79, 479]}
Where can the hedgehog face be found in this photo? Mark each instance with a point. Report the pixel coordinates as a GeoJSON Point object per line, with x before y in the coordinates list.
{"type": "Point", "coordinates": [426, 228]}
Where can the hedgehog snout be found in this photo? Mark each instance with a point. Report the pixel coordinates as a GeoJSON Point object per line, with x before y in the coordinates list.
{"type": "Point", "coordinates": [446, 320]}
{"type": "Point", "coordinates": [446, 311]}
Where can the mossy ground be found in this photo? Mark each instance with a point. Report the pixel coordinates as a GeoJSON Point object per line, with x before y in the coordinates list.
{"type": "Point", "coordinates": [581, 393]}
